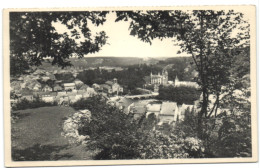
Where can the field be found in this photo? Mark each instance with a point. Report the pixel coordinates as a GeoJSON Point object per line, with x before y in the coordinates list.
{"type": "Point", "coordinates": [36, 135]}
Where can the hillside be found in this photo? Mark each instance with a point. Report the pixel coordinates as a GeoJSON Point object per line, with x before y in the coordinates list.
{"type": "Point", "coordinates": [87, 62]}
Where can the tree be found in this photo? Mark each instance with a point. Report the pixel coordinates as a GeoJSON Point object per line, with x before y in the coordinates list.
{"type": "Point", "coordinates": [116, 135]}
{"type": "Point", "coordinates": [180, 95]}
{"type": "Point", "coordinates": [213, 38]}
{"type": "Point", "coordinates": [33, 37]}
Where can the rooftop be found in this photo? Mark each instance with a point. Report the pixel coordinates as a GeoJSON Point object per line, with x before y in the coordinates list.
{"type": "Point", "coordinates": [168, 108]}
{"type": "Point", "coordinates": [154, 107]}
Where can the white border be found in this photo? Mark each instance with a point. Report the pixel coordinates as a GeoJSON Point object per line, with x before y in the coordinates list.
{"type": "Point", "coordinates": [104, 3]}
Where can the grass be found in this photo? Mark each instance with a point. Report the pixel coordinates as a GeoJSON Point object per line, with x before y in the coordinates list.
{"type": "Point", "coordinates": [36, 135]}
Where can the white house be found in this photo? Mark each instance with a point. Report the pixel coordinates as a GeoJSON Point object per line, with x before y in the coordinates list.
{"type": "Point", "coordinates": [112, 87]}
{"type": "Point", "coordinates": [78, 82]}
{"type": "Point", "coordinates": [47, 88]}
{"type": "Point", "coordinates": [169, 112]}
{"type": "Point", "coordinates": [69, 86]}
{"type": "Point", "coordinates": [48, 98]}
{"type": "Point", "coordinates": [178, 83]}
{"type": "Point", "coordinates": [153, 108]}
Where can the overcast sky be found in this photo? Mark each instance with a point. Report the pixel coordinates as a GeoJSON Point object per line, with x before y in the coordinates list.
{"type": "Point", "coordinates": [122, 44]}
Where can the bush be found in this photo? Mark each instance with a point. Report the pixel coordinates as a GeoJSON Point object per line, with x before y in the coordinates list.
{"type": "Point", "coordinates": [25, 104]}
{"type": "Point", "coordinates": [117, 135]}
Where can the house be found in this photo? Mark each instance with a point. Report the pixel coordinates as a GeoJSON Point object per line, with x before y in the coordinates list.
{"type": "Point", "coordinates": [61, 94]}
{"type": "Point", "coordinates": [69, 86]}
{"type": "Point", "coordinates": [72, 99]}
{"type": "Point", "coordinates": [91, 91]}
{"type": "Point", "coordinates": [137, 110]}
{"type": "Point", "coordinates": [97, 87]}
{"type": "Point", "coordinates": [58, 81]}
{"type": "Point", "coordinates": [37, 87]}
{"type": "Point", "coordinates": [106, 88]}
{"type": "Point", "coordinates": [112, 87]}
{"type": "Point", "coordinates": [84, 87]}
{"type": "Point", "coordinates": [85, 95]}
{"type": "Point", "coordinates": [78, 82]}
{"type": "Point", "coordinates": [153, 108]}
{"type": "Point", "coordinates": [15, 85]}
{"type": "Point", "coordinates": [23, 85]}
{"type": "Point", "coordinates": [78, 97]}
{"type": "Point", "coordinates": [48, 98]}
{"type": "Point", "coordinates": [36, 77]}
{"type": "Point", "coordinates": [45, 78]}
{"type": "Point", "coordinates": [160, 79]}
{"type": "Point", "coordinates": [178, 83]}
{"type": "Point", "coordinates": [27, 78]}
{"type": "Point", "coordinates": [169, 112]}
{"type": "Point", "coordinates": [27, 95]}
{"type": "Point", "coordinates": [57, 88]}
{"type": "Point", "coordinates": [52, 77]}
{"type": "Point", "coordinates": [64, 101]}
{"type": "Point", "coordinates": [71, 94]}
{"type": "Point", "coordinates": [46, 88]}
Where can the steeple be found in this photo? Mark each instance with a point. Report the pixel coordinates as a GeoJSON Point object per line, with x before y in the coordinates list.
{"type": "Point", "coordinates": [165, 72]}
{"type": "Point", "coordinates": [176, 79]}
{"type": "Point", "coordinates": [114, 80]}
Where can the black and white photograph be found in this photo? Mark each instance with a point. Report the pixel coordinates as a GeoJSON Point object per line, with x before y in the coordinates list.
{"type": "Point", "coordinates": [108, 86]}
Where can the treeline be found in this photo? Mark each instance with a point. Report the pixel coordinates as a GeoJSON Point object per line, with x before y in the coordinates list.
{"type": "Point", "coordinates": [65, 77]}
{"type": "Point", "coordinates": [25, 104]}
{"type": "Point", "coordinates": [180, 95]}
{"type": "Point", "coordinates": [180, 66]}
{"type": "Point", "coordinates": [133, 76]}
{"type": "Point", "coordinates": [130, 78]}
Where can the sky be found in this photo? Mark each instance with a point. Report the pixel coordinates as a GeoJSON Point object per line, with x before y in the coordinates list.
{"type": "Point", "coordinates": [122, 44]}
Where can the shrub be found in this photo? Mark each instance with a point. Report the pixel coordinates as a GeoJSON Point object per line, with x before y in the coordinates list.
{"type": "Point", "coordinates": [25, 104]}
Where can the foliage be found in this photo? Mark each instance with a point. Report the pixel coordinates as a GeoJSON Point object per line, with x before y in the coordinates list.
{"type": "Point", "coordinates": [118, 136]}
{"type": "Point", "coordinates": [133, 75]}
{"type": "Point", "coordinates": [33, 37]}
{"type": "Point", "coordinates": [130, 78]}
{"type": "Point", "coordinates": [25, 104]}
{"type": "Point", "coordinates": [180, 95]}
{"type": "Point", "coordinates": [213, 38]}
{"type": "Point", "coordinates": [235, 132]}
{"type": "Point", "coordinates": [65, 77]}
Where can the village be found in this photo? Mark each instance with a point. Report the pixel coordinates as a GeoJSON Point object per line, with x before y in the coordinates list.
{"type": "Point", "coordinates": [43, 85]}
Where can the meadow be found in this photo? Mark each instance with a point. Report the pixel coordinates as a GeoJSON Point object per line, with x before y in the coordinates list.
{"type": "Point", "coordinates": [37, 135]}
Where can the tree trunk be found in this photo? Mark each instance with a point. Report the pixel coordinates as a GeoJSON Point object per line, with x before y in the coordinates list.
{"type": "Point", "coordinates": [202, 111]}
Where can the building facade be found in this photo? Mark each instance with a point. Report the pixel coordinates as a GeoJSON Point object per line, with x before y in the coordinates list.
{"type": "Point", "coordinates": [112, 87]}
{"type": "Point", "coordinates": [178, 83]}
{"type": "Point", "coordinates": [160, 79]}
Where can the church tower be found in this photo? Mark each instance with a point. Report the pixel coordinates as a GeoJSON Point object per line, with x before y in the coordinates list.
{"type": "Point", "coordinates": [114, 80]}
{"type": "Point", "coordinates": [165, 77]}
{"type": "Point", "coordinates": [176, 82]}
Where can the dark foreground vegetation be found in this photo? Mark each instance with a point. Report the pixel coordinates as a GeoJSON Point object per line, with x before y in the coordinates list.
{"type": "Point", "coordinates": [119, 136]}
{"type": "Point", "coordinates": [180, 95]}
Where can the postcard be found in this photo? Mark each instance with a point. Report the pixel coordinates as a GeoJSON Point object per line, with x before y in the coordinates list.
{"type": "Point", "coordinates": [130, 85]}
